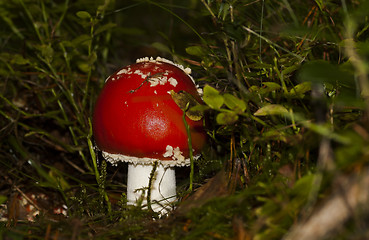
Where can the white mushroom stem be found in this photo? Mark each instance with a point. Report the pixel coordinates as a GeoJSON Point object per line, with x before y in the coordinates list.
{"type": "Point", "coordinates": [162, 189]}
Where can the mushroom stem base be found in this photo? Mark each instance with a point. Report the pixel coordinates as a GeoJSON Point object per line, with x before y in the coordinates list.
{"type": "Point", "coordinates": [162, 189]}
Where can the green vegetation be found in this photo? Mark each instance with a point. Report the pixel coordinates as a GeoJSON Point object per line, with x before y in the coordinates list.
{"type": "Point", "coordinates": [286, 99]}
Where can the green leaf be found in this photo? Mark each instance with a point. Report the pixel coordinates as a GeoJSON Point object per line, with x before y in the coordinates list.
{"type": "Point", "coordinates": [105, 28]}
{"type": "Point", "coordinates": [254, 89]}
{"type": "Point", "coordinates": [83, 15]}
{"type": "Point", "coordinates": [226, 118]}
{"type": "Point", "coordinates": [271, 109]}
{"type": "Point", "coordinates": [81, 39]}
{"type": "Point", "coordinates": [92, 58]}
{"type": "Point", "coordinates": [186, 102]}
{"type": "Point", "coordinates": [49, 181]}
{"type": "Point", "coordinates": [212, 97]}
{"type": "Point", "coordinates": [19, 60]}
{"type": "Point", "coordinates": [275, 134]}
{"type": "Point", "coordinates": [196, 51]}
{"type": "Point", "coordinates": [234, 103]}
{"type": "Point", "coordinates": [47, 52]}
{"type": "Point", "coordinates": [299, 90]}
{"type": "Point", "coordinates": [2, 199]}
{"type": "Point", "coordinates": [199, 107]}
{"type": "Point", "coordinates": [269, 87]}
{"type": "Point", "coordinates": [272, 86]}
{"type": "Point", "coordinates": [58, 177]}
{"type": "Point", "coordinates": [290, 69]}
{"type": "Point", "coordinates": [303, 186]}
{"type": "Point", "coordinates": [83, 66]}
{"type": "Point", "coordinates": [102, 8]}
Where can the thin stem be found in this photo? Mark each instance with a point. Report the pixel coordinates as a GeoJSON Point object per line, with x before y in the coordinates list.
{"type": "Point", "coordinates": [152, 177]}
{"type": "Point", "coordinates": [92, 153]}
{"type": "Point", "coordinates": [273, 44]}
{"type": "Point", "coordinates": [189, 141]}
{"type": "Point", "coordinates": [99, 180]}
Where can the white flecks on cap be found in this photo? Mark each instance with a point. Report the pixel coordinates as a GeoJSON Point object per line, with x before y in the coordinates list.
{"type": "Point", "coordinates": [125, 71]}
{"type": "Point", "coordinates": [173, 81]}
{"type": "Point", "coordinates": [140, 73]}
{"type": "Point", "coordinates": [144, 59]}
{"type": "Point", "coordinates": [168, 151]}
{"type": "Point", "coordinates": [175, 153]}
{"type": "Point", "coordinates": [114, 159]}
{"type": "Point", "coordinates": [154, 81]}
{"type": "Point", "coordinates": [164, 60]}
{"type": "Point", "coordinates": [186, 70]}
{"type": "Point", "coordinates": [199, 90]}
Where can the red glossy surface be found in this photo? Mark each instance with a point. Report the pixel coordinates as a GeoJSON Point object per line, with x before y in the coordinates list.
{"type": "Point", "coordinates": [135, 119]}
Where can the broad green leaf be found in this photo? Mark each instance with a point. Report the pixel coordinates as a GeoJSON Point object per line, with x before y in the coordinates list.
{"type": "Point", "coordinates": [234, 103]}
{"type": "Point", "coordinates": [81, 39]}
{"type": "Point", "coordinates": [299, 90]}
{"type": "Point", "coordinates": [303, 186]}
{"type": "Point", "coordinates": [83, 15]}
{"type": "Point", "coordinates": [212, 97]}
{"type": "Point", "coordinates": [290, 69]}
{"type": "Point", "coordinates": [226, 118]}
{"type": "Point", "coordinates": [269, 87]}
{"type": "Point", "coordinates": [271, 109]}
{"type": "Point", "coordinates": [195, 51]}
{"type": "Point", "coordinates": [83, 66]}
{"type": "Point", "coordinates": [272, 85]}
{"type": "Point", "coordinates": [186, 102]}
{"type": "Point", "coordinates": [105, 28]}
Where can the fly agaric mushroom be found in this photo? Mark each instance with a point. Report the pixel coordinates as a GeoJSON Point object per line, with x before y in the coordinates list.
{"type": "Point", "coordinates": [136, 120]}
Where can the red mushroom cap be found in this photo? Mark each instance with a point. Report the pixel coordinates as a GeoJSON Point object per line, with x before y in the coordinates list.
{"type": "Point", "coordinates": [136, 119]}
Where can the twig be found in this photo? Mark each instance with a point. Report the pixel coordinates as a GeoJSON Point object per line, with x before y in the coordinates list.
{"type": "Point", "coordinates": [349, 198]}
{"type": "Point", "coordinates": [27, 198]}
